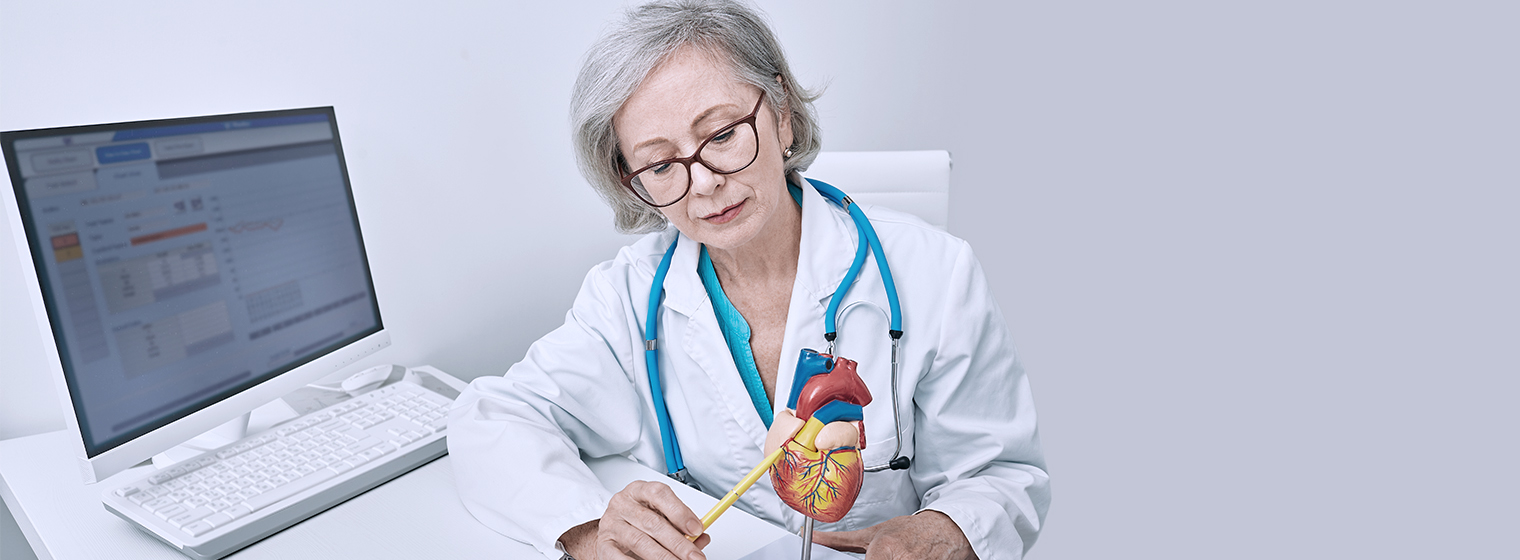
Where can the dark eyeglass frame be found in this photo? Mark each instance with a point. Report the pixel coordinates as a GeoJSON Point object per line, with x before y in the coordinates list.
{"type": "Point", "coordinates": [695, 157]}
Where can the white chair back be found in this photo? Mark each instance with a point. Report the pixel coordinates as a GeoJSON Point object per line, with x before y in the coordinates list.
{"type": "Point", "coordinates": [914, 182]}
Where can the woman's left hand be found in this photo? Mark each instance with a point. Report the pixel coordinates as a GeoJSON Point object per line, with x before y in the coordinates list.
{"type": "Point", "coordinates": [928, 534]}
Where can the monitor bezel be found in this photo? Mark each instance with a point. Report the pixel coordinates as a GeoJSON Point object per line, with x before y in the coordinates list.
{"type": "Point", "coordinates": [97, 464]}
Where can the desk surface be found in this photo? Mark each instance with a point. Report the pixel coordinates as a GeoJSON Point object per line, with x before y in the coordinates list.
{"type": "Point", "coordinates": [417, 515]}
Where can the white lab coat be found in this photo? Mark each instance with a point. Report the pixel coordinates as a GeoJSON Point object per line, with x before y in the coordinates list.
{"type": "Point", "coordinates": [967, 416]}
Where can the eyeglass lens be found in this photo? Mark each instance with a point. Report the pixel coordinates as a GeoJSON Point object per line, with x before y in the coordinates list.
{"type": "Point", "coordinates": [728, 151]}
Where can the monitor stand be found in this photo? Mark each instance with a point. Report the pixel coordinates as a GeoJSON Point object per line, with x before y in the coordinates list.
{"type": "Point", "coordinates": [262, 418]}
{"type": "Point", "coordinates": [221, 435]}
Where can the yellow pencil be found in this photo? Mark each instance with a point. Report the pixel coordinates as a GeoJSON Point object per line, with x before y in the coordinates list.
{"type": "Point", "coordinates": [804, 436]}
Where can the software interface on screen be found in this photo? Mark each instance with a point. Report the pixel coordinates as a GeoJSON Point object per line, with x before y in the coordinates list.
{"type": "Point", "coordinates": [183, 263]}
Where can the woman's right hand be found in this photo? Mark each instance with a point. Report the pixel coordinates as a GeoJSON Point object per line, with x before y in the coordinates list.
{"type": "Point", "coordinates": [645, 521]}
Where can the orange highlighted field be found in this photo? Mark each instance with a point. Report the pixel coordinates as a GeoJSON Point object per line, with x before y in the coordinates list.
{"type": "Point", "coordinates": [168, 233]}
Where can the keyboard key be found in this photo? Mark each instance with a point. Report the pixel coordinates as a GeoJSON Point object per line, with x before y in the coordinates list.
{"type": "Point", "coordinates": [361, 445]}
{"type": "Point", "coordinates": [196, 501]}
{"type": "Point", "coordinates": [160, 478]}
{"type": "Point", "coordinates": [171, 511]}
{"type": "Point", "coordinates": [219, 505]}
{"type": "Point", "coordinates": [190, 516]}
{"type": "Point", "coordinates": [198, 528]}
{"type": "Point", "coordinates": [128, 491]}
{"type": "Point", "coordinates": [294, 487]}
{"type": "Point", "coordinates": [237, 511]}
{"type": "Point", "coordinates": [372, 454]}
{"type": "Point", "coordinates": [158, 504]}
{"type": "Point", "coordinates": [140, 497]}
{"type": "Point", "coordinates": [217, 519]}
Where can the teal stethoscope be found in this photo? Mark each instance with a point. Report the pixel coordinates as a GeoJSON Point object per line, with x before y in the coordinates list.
{"type": "Point", "coordinates": [675, 466]}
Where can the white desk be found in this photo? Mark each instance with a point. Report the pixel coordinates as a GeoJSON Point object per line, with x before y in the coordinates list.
{"type": "Point", "coordinates": [417, 515]}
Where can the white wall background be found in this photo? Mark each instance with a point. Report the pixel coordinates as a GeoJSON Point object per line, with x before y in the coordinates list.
{"type": "Point", "coordinates": [1260, 258]}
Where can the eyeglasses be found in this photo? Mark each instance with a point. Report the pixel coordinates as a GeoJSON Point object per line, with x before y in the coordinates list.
{"type": "Point", "coordinates": [729, 150]}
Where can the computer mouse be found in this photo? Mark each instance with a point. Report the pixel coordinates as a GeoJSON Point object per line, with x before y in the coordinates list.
{"type": "Point", "coordinates": [371, 377]}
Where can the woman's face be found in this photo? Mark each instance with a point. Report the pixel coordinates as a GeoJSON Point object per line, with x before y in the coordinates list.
{"type": "Point", "coordinates": [682, 102]}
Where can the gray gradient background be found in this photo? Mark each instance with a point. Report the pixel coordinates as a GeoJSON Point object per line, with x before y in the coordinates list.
{"type": "Point", "coordinates": [1259, 258]}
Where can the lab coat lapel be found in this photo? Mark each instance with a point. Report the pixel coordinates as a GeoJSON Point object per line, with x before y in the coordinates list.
{"type": "Point", "coordinates": [826, 250]}
{"type": "Point", "coordinates": [703, 340]}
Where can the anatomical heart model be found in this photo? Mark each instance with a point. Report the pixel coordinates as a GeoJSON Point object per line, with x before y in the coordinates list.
{"type": "Point", "coordinates": [821, 433]}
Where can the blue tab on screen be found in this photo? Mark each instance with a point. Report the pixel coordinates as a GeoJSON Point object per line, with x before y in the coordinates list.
{"type": "Point", "coordinates": [122, 152]}
{"type": "Point", "coordinates": [162, 131]}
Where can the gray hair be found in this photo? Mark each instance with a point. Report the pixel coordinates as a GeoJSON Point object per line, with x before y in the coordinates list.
{"type": "Point", "coordinates": [615, 66]}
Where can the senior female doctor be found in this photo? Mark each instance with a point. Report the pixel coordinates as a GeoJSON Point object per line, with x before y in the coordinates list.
{"type": "Point", "coordinates": [689, 123]}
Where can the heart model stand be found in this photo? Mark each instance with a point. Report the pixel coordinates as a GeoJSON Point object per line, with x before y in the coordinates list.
{"type": "Point", "coordinates": [821, 484]}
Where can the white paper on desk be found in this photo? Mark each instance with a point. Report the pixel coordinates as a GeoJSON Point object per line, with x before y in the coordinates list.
{"type": "Point", "coordinates": [790, 548]}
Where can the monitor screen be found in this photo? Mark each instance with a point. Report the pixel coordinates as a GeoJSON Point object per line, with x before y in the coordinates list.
{"type": "Point", "coordinates": [184, 261]}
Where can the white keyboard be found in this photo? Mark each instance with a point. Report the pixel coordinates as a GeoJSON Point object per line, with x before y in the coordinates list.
{"type": "Point", "coordinates": [223, 500]}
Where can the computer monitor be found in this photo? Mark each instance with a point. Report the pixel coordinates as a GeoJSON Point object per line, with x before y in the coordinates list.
{"type": "Point", "coordinates": [187, 271]}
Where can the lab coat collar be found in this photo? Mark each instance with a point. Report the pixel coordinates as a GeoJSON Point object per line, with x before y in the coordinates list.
{"type": "Point", "coordinates": [828, 245]}
{"type": "Point", "coordinates": [826, 249]}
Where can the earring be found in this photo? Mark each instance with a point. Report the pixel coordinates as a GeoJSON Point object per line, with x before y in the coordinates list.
{"type": "Point", "coordinates": [787, 154]}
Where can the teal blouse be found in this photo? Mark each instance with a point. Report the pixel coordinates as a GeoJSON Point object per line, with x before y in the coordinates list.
{"type": "Point", "coordinates": [736, 329]}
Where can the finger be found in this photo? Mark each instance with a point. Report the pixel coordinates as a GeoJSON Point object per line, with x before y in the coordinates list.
{"type": "Point", "coordinates": [844, 541]}
{"type": "Point", "coordinates": [646, 548]}
{"type": "Point", "coordinates": [890, 547]}
{"type": "Point", "coordinates": [655, 528]}
{"type": "Point", "coordinates": [703, 541]}
{"type": "Point", "coordinates": [662, 499]}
